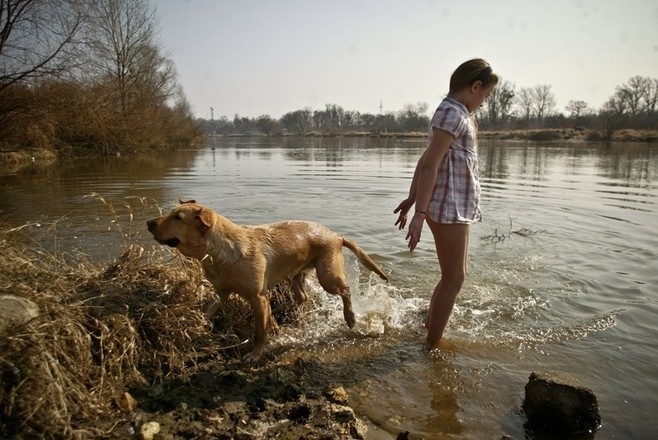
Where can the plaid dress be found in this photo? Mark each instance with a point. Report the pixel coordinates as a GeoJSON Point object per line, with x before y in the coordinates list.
{"type": "Point", "coordinates": [456, 196]}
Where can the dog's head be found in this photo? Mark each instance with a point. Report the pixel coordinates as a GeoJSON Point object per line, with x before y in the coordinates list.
{"type": "Point", "coordinates": [184, 228]}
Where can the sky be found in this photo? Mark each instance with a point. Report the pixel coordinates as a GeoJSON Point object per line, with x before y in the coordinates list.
{"type": "Point", "coordinates": [271, 57]}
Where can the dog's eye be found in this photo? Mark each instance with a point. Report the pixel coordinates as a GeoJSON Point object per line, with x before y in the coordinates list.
{"type": "Point", "coordinates": [178, 216]}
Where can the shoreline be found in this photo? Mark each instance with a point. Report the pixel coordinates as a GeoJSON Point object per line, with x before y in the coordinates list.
{"type": "Point", "coordinates": [14, 160]}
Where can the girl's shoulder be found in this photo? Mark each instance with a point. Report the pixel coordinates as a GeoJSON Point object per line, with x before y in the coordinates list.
{"type": "Point", "coordinates": [449, 104]}
{"type": "Point", "coordinates": [451, 116]}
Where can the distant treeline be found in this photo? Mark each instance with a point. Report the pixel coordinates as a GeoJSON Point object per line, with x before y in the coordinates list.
{"type": "Point", "coordinates": [633, 105]}
{"type": "Point", "coordinates": [87, 76]}
{"type": "Point", "coordinates": [90, 76]}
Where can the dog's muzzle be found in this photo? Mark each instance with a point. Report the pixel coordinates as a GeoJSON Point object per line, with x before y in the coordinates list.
{"type": "Point", "coordinates": [171, 242]}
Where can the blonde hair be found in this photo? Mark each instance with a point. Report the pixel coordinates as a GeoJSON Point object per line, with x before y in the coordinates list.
{"type": "Point", "coordinates": [471, 71]}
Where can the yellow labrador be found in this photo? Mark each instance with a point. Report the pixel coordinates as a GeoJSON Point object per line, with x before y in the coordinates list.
{"type": "Point", "coordinates": [250, 260]}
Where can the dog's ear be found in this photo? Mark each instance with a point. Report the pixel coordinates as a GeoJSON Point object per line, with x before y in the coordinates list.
{"type": "Point", "coordinates": [205, 218]}
{"type": "Point", "coordinates": [182, 202]}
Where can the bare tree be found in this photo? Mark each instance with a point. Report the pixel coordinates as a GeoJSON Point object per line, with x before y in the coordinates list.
{"type": "Point", "coordinates": [524, 101]}
{"type": "Point", "coordinates": [266, 125]}
{"type": "Point", "coordinates": [498, 107]}
{"type": "Point", "coordinates": [413, 117]}
{"type": "Point", "coordinates": [299, 121]}
{"type": "Point", "coordinates": [577, 109]}
{"type": "Point", "coordinates": [126, 52]}
{"type": "Point", "coordinates": [633, 93]}
{"type": "Point", "coordinates": [651, 97]}
{"type": "Point", "coordinates": [543, 101]}
{"type": "Point", "coordinates": [38, 37]}
{"type": "Point", "coordinates": [612, 115]}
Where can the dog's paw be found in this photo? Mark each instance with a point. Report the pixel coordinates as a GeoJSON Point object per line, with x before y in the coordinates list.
{"type": "Point", "coordinates": [255, 355]}
{"type": "Point", "coordinates": [350, 319]}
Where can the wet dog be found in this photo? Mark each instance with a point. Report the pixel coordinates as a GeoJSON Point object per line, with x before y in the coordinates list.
{"type": "Point", "coordinates": [250, 260]}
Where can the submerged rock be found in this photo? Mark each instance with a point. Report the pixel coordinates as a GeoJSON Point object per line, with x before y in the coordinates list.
{"type": "Point", "coordinates": [558, 403]}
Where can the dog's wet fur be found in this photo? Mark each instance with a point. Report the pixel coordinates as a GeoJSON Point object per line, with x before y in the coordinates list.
{"type": "Point", "coordinates": [250, 260]}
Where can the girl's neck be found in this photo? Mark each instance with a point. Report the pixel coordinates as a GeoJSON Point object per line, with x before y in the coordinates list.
{"type": "Point", "coordinates": [460, 96]}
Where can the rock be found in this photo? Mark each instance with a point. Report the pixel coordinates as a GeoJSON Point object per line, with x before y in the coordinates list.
{"type": "Point", "coordinates": [149, 430]}
{"type": "Point", "coordinates": [558, 403]}
{"type": "Point", "coordinates": [337, 395]}
{"type": "Point", "coordinates": [342, 414]}
{"type": "Point", "coordinates": [15, 310]}
{"type": "Point", "coordinates": [126, 403]}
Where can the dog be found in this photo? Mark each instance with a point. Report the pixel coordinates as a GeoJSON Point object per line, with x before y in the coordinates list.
{"type": "Point", "coordinates": [250, 260]}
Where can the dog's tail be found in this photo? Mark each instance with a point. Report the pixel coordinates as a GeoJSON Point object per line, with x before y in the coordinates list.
{"type": "Point", "coordinates": [364, 258]}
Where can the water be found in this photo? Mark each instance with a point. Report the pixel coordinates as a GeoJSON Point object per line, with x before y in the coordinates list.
{"type": "Point", "coordinates": [576, 292]}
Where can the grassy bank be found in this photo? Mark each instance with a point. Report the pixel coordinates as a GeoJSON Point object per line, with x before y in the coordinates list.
{"type": "Point", "coordinates": [578, 135]}
{"type": "Point", "coordinates": [121, 346]}
{"type": "Point", "coordinates": [15, 160]}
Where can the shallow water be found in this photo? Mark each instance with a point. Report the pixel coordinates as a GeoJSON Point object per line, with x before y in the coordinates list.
{"type": "Point", "coordinates": [562, 268]}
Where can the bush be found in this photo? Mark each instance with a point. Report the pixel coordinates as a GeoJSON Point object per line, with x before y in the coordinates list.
{"type": "Point", "coordinates": [544, 135]}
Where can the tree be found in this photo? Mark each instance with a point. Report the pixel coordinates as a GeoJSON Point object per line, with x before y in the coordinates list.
{"type": "Point", "coordinates": [577, 109]}
{"type": "Point", "coordinates": [38, 38]}
{"type": "Point", "coordinates": [299, 121]}
{"type": "Point", "coordinates": [329, 119]}
{"type": "Point", "coordinates": [612, 115]}
{"type": "Point", "coordinates": [543, 101]}
{"type": "Point", "coordinates": [243, 124]}
{"type": "Point", "coordinates": [127, 54]}
{"type": "Point", "coordinates": [267, 125]}
{"type": "Point", "coordinates": [497, 108]}
{"type": "Point", "coordinates": [524, 101]}
{"type": "Point", "coordinates": [651, 97]}
{"type": "Point", "coordinates": [413, 117]}
{"type": "Point", "coordinates": [633, 94]}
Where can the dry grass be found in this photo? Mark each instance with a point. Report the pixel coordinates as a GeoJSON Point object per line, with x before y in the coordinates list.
{"type": "Point", "coordinates": [580, 135]}
{"type": "Point", "coordinates": [102, 330]}
{"type": "Point", "coordinates": [10, 161]}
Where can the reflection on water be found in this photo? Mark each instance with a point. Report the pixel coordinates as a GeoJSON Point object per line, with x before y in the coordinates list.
{"type": "Point", "coordinates": [578, 295]}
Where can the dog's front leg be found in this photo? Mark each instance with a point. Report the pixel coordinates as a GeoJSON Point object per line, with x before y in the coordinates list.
{"type": "Point", "coordinates": [260, 306]}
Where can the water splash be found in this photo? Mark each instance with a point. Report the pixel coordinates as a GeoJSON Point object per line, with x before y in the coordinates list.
{"type": "Point", "coordinates": [380, 309]}
{"type": "Point", "coordinates": [498, 311]}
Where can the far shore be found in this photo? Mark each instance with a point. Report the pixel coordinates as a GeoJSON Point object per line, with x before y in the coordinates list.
{"type": "Point", "coordinates": [12, 160]}
{"type": "Point", "coordinates": [537, 135]}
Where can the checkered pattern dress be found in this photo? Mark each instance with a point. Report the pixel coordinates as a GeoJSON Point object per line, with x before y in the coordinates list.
{"type": "Point", "coordinates": [456, 196]}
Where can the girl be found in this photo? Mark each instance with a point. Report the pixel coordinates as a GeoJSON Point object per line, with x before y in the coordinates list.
{"type": "Point", "coordinates": [446, 187]}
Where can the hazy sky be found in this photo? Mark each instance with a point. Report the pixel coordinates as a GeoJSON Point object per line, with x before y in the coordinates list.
{"type": "Point", "coordinates": [276, 56]}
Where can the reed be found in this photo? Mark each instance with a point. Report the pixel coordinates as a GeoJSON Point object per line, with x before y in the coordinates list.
{"type": "Point", "coordinates": [498, 237]}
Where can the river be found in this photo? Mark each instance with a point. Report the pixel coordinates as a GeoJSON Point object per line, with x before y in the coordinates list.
{"type": "Point", "coordinates": [562, 273]}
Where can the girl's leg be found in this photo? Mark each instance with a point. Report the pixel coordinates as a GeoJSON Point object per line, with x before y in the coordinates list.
{"type": "Point", "coordinates": [452, 249]}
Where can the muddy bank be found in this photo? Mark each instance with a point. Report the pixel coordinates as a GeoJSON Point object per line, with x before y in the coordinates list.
{"type": "Point", "coordinates": [231, 401]}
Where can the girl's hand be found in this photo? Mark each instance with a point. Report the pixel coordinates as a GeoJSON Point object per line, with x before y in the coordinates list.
{"type": "Point", "coordinates": [415, 228]}
{"type": "Point", "coordinates": [403, 208]}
